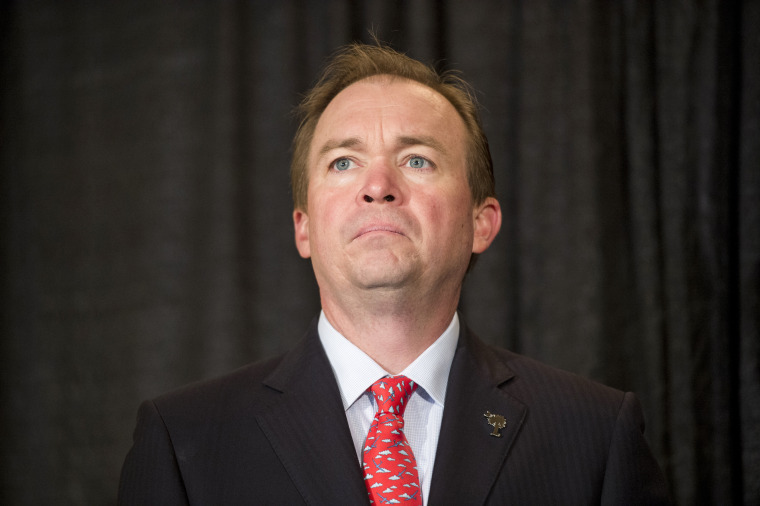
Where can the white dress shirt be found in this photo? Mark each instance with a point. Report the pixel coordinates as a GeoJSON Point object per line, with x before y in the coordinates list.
{"type": "Point", "coordinates": [355, 372]}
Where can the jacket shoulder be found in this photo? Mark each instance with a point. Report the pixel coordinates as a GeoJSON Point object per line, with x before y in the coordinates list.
{"type": "Point", "coordinates": [219, 394]}
{"type": "Point", "coordinates": [542, 386]}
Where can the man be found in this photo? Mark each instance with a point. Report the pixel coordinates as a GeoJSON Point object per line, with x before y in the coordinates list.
{"type": "Point", "coordinates": [394, 197]}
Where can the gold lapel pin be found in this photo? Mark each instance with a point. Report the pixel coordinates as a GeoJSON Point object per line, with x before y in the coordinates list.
{"type": "Point", "coordinates": [497, 421]}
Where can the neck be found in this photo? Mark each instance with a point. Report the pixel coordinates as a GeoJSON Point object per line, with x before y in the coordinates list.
{"type": "Point", "coordinates": [392, 332]}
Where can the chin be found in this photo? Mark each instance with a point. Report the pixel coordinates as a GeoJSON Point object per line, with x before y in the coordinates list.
{"type": "Point", "coordinates": [385, 269]}
{"type": "Point", "coordinates": [382, 281]}
{"type": "Point", "coordinates": [378, 277]}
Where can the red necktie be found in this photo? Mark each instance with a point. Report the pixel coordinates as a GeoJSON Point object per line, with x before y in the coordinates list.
{"type": "Point", "coordinates": [390, 469]}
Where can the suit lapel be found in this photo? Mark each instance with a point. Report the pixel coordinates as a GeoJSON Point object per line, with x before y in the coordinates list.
{"type": "Point", "coordinates": [306, 425]}
{"type": "Point", "coordinates": [468, 458]}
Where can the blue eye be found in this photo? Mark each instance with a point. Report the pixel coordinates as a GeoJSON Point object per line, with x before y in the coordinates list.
{"type": "Point", "coordinates": [342, 164]}
{"type": "Point", "coordinates": [417, 162]}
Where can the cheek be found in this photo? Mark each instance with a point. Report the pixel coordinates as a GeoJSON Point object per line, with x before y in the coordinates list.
{"type": "Point", "coordinates": [450, 210]}
{"type": "Point", "coordinates": [324, 218]}
{"type": "Point", "coordinates": [321, 202]}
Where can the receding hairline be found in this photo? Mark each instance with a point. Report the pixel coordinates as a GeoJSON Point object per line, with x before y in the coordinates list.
{"type": "Point", "coordinates": [403, 140]}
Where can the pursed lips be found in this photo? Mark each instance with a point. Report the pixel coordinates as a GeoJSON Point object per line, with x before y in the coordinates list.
{"type": "Point", "coordinates": [379, 228]}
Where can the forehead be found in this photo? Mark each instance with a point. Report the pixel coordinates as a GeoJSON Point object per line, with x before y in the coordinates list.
{"type": "Point", "coordinates": [389, 106]}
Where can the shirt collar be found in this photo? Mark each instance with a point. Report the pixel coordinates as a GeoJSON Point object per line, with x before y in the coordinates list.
{"type": "Point", "coordinates": [355, 371]}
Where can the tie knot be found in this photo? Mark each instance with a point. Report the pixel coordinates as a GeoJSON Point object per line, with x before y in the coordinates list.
{"type": "Point", "coordinates": [391, 394]}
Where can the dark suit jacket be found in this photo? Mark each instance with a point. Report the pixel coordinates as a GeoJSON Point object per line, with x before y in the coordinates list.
{"type": "Point", "coordinates": [276, 433]}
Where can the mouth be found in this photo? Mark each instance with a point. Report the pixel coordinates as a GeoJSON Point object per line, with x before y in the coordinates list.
{"type": "Point", "coordinates": [379, 229]}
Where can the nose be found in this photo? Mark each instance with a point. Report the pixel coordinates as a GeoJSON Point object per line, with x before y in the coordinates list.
{"type": "Point", "coordinates": [381, 183]}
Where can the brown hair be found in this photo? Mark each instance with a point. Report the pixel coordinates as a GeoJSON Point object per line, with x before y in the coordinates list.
{"type": "Point", "coordinates": [360, 61]}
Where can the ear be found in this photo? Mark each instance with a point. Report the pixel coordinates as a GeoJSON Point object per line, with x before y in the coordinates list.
{"type": "Point", "coordinates": [487, 222]}
{"type": "Point", "coordinates": [301, 225]}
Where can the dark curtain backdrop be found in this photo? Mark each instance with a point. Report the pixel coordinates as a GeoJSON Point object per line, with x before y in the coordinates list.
{"type": "Point", "coordinates": [146, 215]}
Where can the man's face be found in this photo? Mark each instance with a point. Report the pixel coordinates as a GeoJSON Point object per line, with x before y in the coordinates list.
{"type": "Point", "coordinates": [389, 206]}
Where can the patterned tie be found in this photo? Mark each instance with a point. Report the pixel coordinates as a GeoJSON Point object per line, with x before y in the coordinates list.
{"type": "Point", "coordinates": [390, 469]}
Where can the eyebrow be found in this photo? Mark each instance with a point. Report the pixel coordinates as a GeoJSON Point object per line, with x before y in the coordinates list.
{"type": "Point", "coordinates": [424, 140]}
{"type": "Point", "coordinates": [337, 144]}
{"type": "Point", "coordinates": [405, 140]}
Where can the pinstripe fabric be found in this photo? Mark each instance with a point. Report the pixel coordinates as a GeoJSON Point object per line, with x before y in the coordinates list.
{"type": "Point", "coordinates": [258, 436]}
{"type": "Point", "coordinates": [568, 440]}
